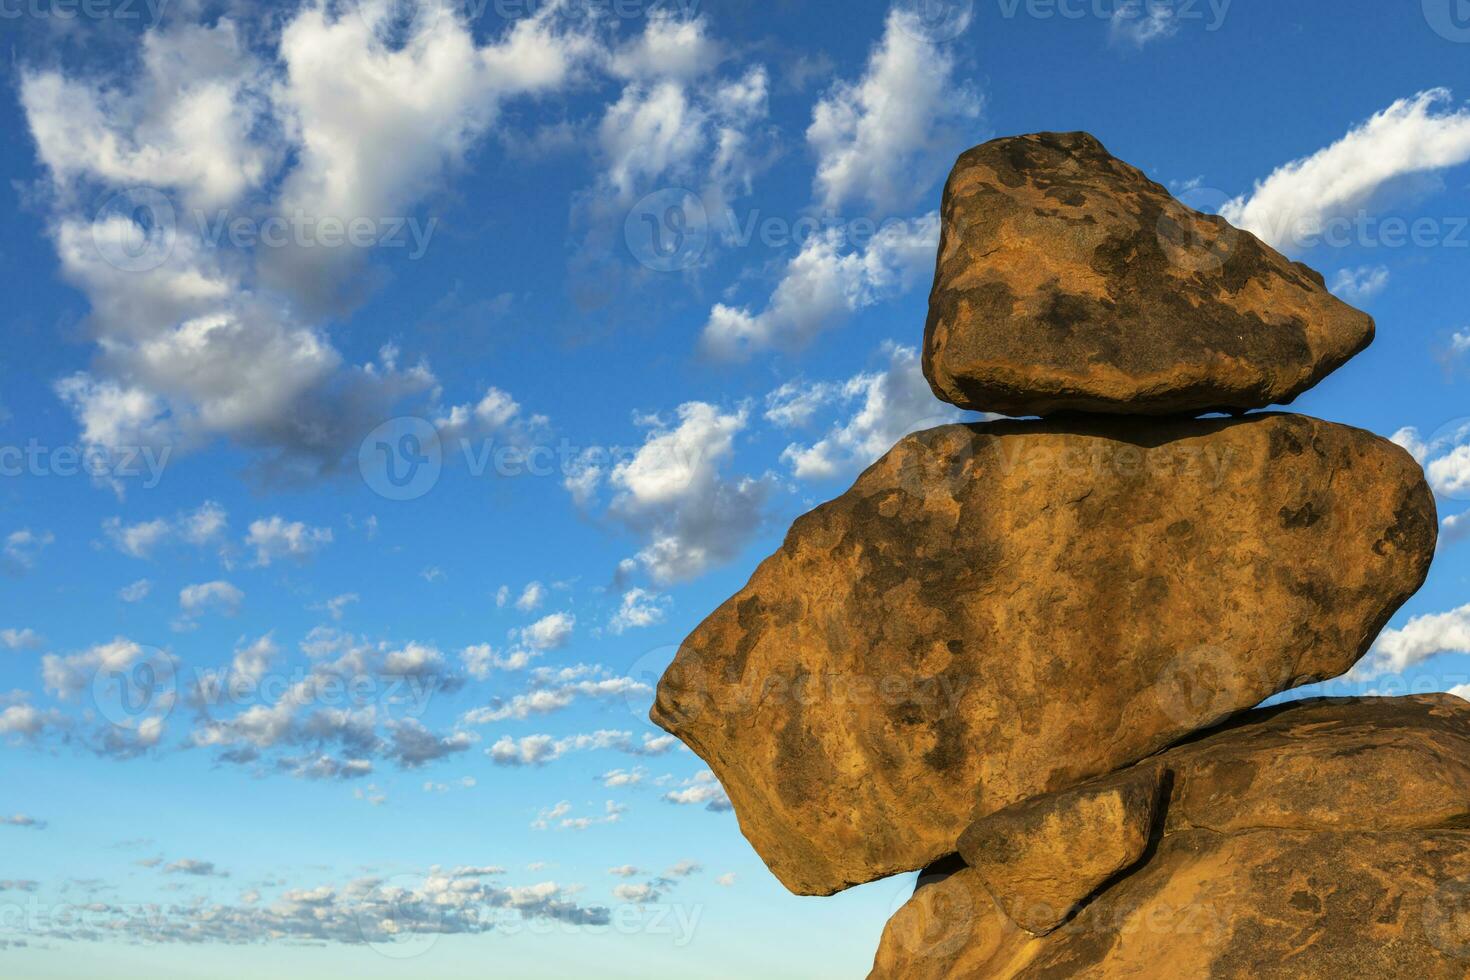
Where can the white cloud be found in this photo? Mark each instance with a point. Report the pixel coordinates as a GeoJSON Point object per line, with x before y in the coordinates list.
{"type": "Point", "coordinates": [253, 660]}
{"type": "Point", "coordinates": [823, 284]}
{"type": "Point", "coordinates": [324, 121]}
{"type": "Point", "coordinates": [673, 493]}
{"type": "Point", "coordinates": [202, 527]}
{"type": "Point", "coordinates": [549, 632]}
{"type": "Point", "coordinates": [885, 138]}
{"type": "Point", "coordinates": [495, 412]}
{"type": "Point", "coordinates": [639, 608]}
{"type": "Point", "coordinates": [136, 591]}
{"type": "Point", "coordinates": [538, 750]}
{"type": "Point", "coordinates": [1360, 284]}
{"type": "Point", "coordinates": [481, 659]}
{"type": "Point", "coordinates": [701, 790]}
{"type": "Point", "coordinates": [275, 538]}
{"type": "Point", "coordinates": [669, 46]}
{"type": "Point", "coordinates": [23, 549]}
{"type": "Point", "coordinates": [1421, 638]}
{"type": "Point", "coordinates": [1418, 135]}
{"type": "Point", "coordinates": [665, 130]}
{"type": "Point", "coordinates": [217, 596]}
{"type": "Point", "coordinates": [531, 597]}
{"type": "Point", "coordinates": [68, 676]}
{"type": "Point", "coordinates": [337, 605]}
{"type": "Point", "coordinates": [892, 403]}
{"type": "Point", "coordinates": [612, 812]}
{"type": "Point", "coordinates": [625, 871]}
{"type": "Point", "coordinates": [1141, 22]}
{"type": "Point", "coordinates": [19, 639]}
{"type": "Point", "coordinates": [726, 880]}
{"type": "Point", "coordinates": [552, 690]}
{"type": "Point", "coordinates": [620, 778]}
{"type": "Point", "coordinates": [1445, 456]}
{"type": "Point", "coordinates": [187, 123]}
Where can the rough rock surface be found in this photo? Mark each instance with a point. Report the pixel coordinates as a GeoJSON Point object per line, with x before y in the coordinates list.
{"type": "Point", "coordinates": [1069, 281]}
{"type": "Point", "coordinates": [985, 595]}
{"type": "Point", "coordinates": [1041, 857]}
{"type": "Point", "coordinates": [1323, 839]}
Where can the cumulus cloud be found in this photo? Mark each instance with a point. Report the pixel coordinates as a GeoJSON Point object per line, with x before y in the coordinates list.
{"type": "Point", "coordinates": [538, 750]}
{"type": "Point", "coordinates": [218, 596]}
{"type": "Point", "coordinates": [202, 527]}
{"type": "Point", "coordinates": [891, 403]}
{"type": "Point", "coordinates": [481, 659]}
{"type": "Point", "coordinates": [665, 130]}
{"type": "Point", "coordinates": [885, 138]}
{"type": "Point", "coordinates": [364, 910]}
{"type": "Point", "coordinates": [324, 124]}
{"type": "Point", "coordinates": [558, 816]}
{"type": "Point", "coordinates": [23, 549]}
{"type": "Point", "coordinates": [1421, 638]}
{"type": "Point", "coordinates": [553, 689]}
{"type": "Point", "coordinates": [549, 632]}
{"type": "Point", "coordinates": [824, 284]}
{"type": "Point", "coordinates": [531, 597]}
{"type": "Point", "coordinates": [19, 639]}
{"type": "Point", "coordinates": [68, 676]}
{"type": "Point", "coordinates": [674, 494]}
{"type": "Point", "coordinates": [1420, 135]}
{"type": "Point", "coordinates": [1140, 23]}
{"type": "Point", "coordinates": [619, 778]}
{"type": "Point", "coordinates": [1445, 456]}
{"type": "Point", "coordinates": [639, 608]}
{"type": "Point", "coordinates": [702, 789]}
{"type": "Point", "coordinates": [135, 591]}
{"type": "Point", "coordinates": [1361, 284]}
{"type": "Point", "coordinates": [358, 701]}
{"type": "Point", "coordinates": [275, 538]}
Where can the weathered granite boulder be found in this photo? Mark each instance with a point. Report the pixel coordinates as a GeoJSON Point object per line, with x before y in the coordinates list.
{"type": "Point", "coordinates": [1043, 856]}
{"type": "Point", "coordinates": [1322, 839]}
{"type": "Point", "coordinates": [1006, 609]}
{"type": "Point", "coordinates": [1069, 281]}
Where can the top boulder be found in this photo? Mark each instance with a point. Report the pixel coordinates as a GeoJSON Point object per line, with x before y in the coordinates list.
{"type": "Point", "coordinates": [1069, 281]}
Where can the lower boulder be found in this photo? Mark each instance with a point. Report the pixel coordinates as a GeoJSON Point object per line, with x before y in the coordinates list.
{"type": "Point", "coordinates": [1323, 839]}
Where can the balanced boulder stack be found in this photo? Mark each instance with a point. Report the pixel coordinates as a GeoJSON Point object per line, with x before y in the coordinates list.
{"type": "Point", "coordinates": [989, 644]}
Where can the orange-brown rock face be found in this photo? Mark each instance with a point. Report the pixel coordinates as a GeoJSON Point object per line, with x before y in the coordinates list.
{"type": "Point", "coordinates": [1043, 856]}
{"type": "Point", "coordinates": [1320, 840]}
{"type": "Point", "coordinates": [1002, 610]}
{"type": "Point", "coordinates": [1069, 281]}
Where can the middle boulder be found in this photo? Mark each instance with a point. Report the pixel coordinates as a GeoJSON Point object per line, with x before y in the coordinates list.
{"type": "Point", "coordinates": [1000, 610]}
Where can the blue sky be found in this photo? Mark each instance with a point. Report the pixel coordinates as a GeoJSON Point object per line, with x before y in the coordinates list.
{"type": "Point", "coordinates": [389, 388]}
